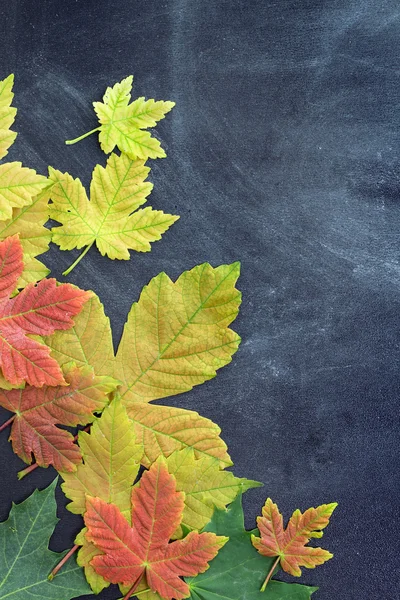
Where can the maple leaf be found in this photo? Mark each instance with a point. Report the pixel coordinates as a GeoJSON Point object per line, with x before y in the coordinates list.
{"type": "Point", "coordinates": [144, 549]}
{"type": "Point", "coordinates": [7, 115]}
{"type": "Point", "coordinates": [28, 222]}
{"type": "Point", "coordinates": [289, 545]}
{"type": "Point", "coordinates": [39, 410]}
{"type": "Point", "coordinates": [6, 385]}
{"type": "Point", "coordinates": [88, 341]}
{"type": "Point", "coordinates": [205, 485]}
{"type": "Point", "coordinates": [111, 458]}
{"type": "Point", "coordinates": [124, 125]}
{"type": "Point", "coordinates": [116, 192]}
{"type": "Point", "coordinates": [164, 429]}
{"type": "Point", "coordinates": [177, 334]}
{"type": "Point", "coordinates": [238, 570]}
{"type": "Point", "coordinates": [25, 560]}
{"type": "Point", "coordinates": [18, 186]}
{"type": "Point", "coordinates": [37, 310]}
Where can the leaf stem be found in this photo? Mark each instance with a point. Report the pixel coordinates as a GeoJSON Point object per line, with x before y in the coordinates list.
{"type": "Point", "coordinates": [7, 423]}
{"type": "Point", "coordinates": [21, 474]}
{"type": "Point", "coordinates": [78, 260]}
{"type": "Point", "coordinates": [81, 137]}
{"type": "Point", "coordinates": [62, 562]}
{"type": "Point", "coordinates": [271, 572]}
{"type": "Point", "coordinates": [133, 588]}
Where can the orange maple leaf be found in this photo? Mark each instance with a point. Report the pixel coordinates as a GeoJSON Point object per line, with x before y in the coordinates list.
{"type": "Point", "coordinates": [38, 411]}
{"type": "Point", "coordinates": [38, 310]}
{"type": "Point", "coordinates": [144, 549]}
{"type": "Point", "coordinates": [290, 545]}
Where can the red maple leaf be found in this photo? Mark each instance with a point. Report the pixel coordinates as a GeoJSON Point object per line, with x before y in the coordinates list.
{"type": "Point", "coordinates": [38, 310]}
{"type": "Point", "coordinates": [38, 410]}
{"type": "Point", "coordinates": [144, 549]}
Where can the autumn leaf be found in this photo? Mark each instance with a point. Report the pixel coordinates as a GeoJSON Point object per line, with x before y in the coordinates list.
{"type": "Point", "coordinates": [39, 410]}
{"type": "Point", "coordinates": [37, 310]}
{"type": "Point", "coordinates": [88, 341]}
{"type": "Point", "coordinates": [111, 459]}
{"type": "Point", "coordinates": [129, 553]}
{"type": "Point", "coordinates": [18, 186]}
{"type": "Point", "coordinates": [124, 125]}
{"type": "Point", "coordinates": [87, 551]}
{"type": "Point", "coordinates": [28, 222]}
{"type": "Point", "coordinates": [7, 115]}
{"type": "Point", "coordinates": [290, 545]}
{"type": "Point", "coordinates": [164, 429]}
{"type": "Point", "coordinates": [206, 486]}
{"type": "Point", "coordinates": [238, 570]}
{"type": "Point", "coordinates": [111, 218]}
{"type": "Point", "coordinates": [177, 334]}
{"type": "Point", "coordinates": [6, 385]}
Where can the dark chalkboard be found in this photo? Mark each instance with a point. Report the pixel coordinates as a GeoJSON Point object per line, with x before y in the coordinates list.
{"type": "Point", "coordinates": [283, 153]}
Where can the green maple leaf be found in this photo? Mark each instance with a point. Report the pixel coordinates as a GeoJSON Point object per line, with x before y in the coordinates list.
{"type": "Point", "coordinates": [111, 218]}
{"type": "Point", "coordinates": [26, 561]}
{"type": "Point", "coordinates": [124, 125]}
{"type": "Point", "coordinates": [238, 571]}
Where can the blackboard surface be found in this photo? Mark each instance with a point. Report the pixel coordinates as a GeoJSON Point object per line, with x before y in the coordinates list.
{"type": "Point", "coordinates": [283, 153]}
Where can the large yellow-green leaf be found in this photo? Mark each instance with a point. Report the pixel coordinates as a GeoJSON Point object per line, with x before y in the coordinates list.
{"type": "Point", "coordinates": [111, 459]}
{"type": "Point", "coordinates": [18, 186]}
{"type": "Point", "coordinates": [7, 115]}
{"type": "Point", "coordinates": [163, 429]}
{"type": "Point", "coordinates": [28, 222]}
{"type": "Point", "coordinates": [205, 485]}
{"type": "Point", "coordinates": [88, 342]}
{"type": "Point", "coordinates": [116, 192]}
{"type": "Point", "coordinates": [177, 334]}
{"type": "Point", "coordinates": [123, 124]}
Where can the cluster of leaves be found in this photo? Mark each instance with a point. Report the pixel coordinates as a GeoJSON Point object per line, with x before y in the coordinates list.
{"type": "Point", "coordinates": [156, 534]}
{"type": "Point", "coordinates": [112, 218]}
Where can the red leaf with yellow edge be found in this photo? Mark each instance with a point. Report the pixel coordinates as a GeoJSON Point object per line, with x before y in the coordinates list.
{"type": "Point", "coordinates": [144, 549]}
{"type": "Point", "coordinates": [39, 410]}
{"type": "Point", "coordinates": [290, 545]}
{"type": "Point", "coordinates": [38, 310]}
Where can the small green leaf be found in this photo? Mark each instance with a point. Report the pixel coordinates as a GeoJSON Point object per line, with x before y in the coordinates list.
{"type": "Point", "coordinates": [26, 561]}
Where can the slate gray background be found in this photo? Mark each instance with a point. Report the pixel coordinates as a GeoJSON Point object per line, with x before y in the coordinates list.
{"type": "Point", "coordinates": [283, 152]}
